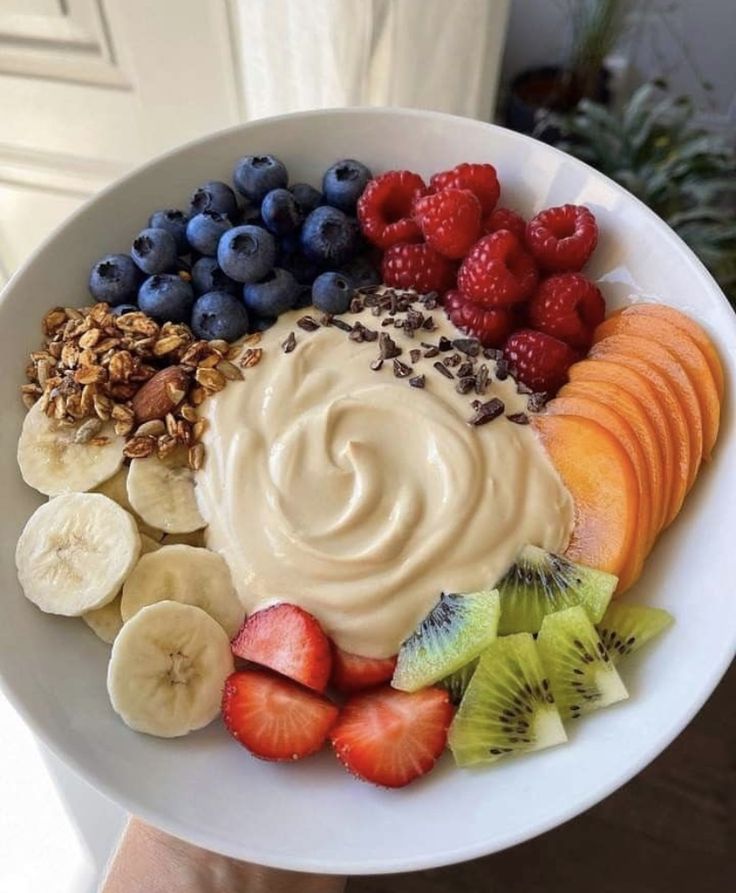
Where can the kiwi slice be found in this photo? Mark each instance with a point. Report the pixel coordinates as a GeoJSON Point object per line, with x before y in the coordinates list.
{"type": "Point", "coordinates": [508, 706]}
{"type": "Point", "coordinates": [540, 582]}
{"type": "Point", "coordinates": [455, 632]}
{"type": "Point", "coordinates": [580, 671]}
{"type": "Point", "coordinates": [625, 628]}
{"type": "Point", "coordinates": [456, 683]}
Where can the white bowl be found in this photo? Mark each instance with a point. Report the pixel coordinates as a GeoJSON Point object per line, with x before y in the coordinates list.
{"type": "Point", "coordinates": [312, 816]}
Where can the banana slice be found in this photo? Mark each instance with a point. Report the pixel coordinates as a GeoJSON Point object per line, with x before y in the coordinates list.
{"type": "Point", "coordinates": [168, 668]}
{"type": "Point", "coordinates": [74, 553]}
{"type": "Point", "coordinates": [162, 492]}
{"type": "Point", "coordinates": [116, 488]}
{"type": "Point", "coordinates": [196, 538]}
{"type": "Point", "coordinates": [148, 544]}
{"type": "Point", "coordinates": [107, 621]}
{"type": "Point", "coordinates": [53, 462]}
{"type": "Point", "coordinates": [187, 575]}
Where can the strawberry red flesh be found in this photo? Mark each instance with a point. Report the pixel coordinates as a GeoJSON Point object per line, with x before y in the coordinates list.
{"type": "Point", "coordinates": [352, 672]}
{"type": "Point", "coordinates": [287, 639]}
{"type": "Point", "coordinates": [275, 719]}
{"type": "Point", "coordinates": [390, 737]}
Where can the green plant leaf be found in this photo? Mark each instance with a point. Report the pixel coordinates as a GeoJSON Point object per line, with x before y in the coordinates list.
{"type": "Point", "coordinates": [705, 214]}
{"type": "Point", "coordinates": [685, 174]}
{"type": "Point", "coordinates": [637, 107]}
{"type": "Point", "coordinates": [666, 114]}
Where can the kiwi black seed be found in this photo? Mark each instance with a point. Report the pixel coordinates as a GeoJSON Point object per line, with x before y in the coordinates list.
{"type": "Point", "coordinates": [625, 628]}
{"type": "Point", "coordinates": [580, 670]}
{"type": "Point", "coordinates": [457, 683]}
{"type": "Point", "coordinates": [454, 633]}
{"type": "Point", "coordinates": [540, 582]}
{"type": "Point", "coordinates": [508, 706]}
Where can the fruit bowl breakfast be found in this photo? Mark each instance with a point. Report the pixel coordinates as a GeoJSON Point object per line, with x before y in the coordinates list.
{"type": "Point", "coordinates": [394, 459]}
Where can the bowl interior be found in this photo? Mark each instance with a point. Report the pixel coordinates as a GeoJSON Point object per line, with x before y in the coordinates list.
{"type": "Point", "coordinates": [311, 816]}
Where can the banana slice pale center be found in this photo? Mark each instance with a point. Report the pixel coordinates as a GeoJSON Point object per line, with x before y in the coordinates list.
{"type": "Point", "coordinates": [182, 669]}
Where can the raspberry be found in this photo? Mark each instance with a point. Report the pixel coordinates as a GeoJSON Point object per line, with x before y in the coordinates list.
{"type": "Point", "coordinates": [538, 360]}
{"type": "Point", "coordinates": [505, 218]}
{"type": "Point", "coordinates": [449, 220]}
{"type": "Point", "coordinates": [497, 271]}
{"type": "Point", "coordinates": [562, 238]}
{"type": "Point", "coordinates": [490, 326]}
{"type": "Point", "coordinates": [480, 179]}
{"type": "Point", "coordinates": [418, 267]}
{"type": "Point", "coordinates": [569, 307]}
{"type": "Point", "coordinates": [385, 207]}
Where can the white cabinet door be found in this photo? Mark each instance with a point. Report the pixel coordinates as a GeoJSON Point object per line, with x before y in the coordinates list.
{"type": "Point", "coordinates": [90, 87]}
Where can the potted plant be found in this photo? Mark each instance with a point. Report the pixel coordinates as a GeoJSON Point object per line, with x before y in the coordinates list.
{"type": "Point", "coordinates": [595, 29]}
{"type": "Point", "coordinates": [685, 174]}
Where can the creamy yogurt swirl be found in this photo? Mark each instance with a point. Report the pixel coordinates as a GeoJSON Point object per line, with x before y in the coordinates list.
{"type": "Point", "coordinates": [346, 491]}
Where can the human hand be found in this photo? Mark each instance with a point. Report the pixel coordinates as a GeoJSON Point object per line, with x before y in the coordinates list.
{"type": "Point", "coordinates": [151, 861]}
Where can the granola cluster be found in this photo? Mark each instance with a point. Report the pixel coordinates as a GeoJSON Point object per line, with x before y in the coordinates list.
{"type": "Point", "coordinates": [93, 366]}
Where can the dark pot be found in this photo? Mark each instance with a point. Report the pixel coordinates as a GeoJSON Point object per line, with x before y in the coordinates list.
{"type": "Point", "coordinates": [536, 92]}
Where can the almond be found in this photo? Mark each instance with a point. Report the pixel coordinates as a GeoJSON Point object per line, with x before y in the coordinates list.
{"type": "Point", "coordinates": [155, 399]}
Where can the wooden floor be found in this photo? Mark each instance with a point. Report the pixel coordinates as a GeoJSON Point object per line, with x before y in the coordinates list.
{"type": "Point", "coordinates": [670, 830]}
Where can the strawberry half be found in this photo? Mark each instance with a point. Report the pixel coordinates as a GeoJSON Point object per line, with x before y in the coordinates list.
{"type": "Point", "coordinates": [274, 718]}
{"type": "Point", "coordinates": [391, 737]}
{"type": "Point", "coordinates": [289, 640]}
{"type": "Point", "coordinates": [352, 672]}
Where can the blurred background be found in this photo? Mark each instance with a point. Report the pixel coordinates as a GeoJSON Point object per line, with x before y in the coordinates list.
{"type": "Point", "coordinates": [645, 90]}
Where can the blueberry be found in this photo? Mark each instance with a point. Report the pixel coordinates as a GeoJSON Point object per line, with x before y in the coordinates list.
{"type": "Point", "coordinates": [174, 222]}
{"type": "Point", "coordinates": [288, 244]}
{"type": "Point", "coordinates": [205, 230]}
{"type": "Point", "coordinates": [344, 182]}
{"type": "Point", "coordinates": [304, 298]}
{"type": "Point", "coordinates": [361, 272]}
{"type": "Point", "coordinates": [114, 279]}
{"type": "Point", "coordinates": [123, 308]}
{"type": "Point", "coordinates": [307, 197]}
{"type": "Point", "coordinates": [290, 256]}
{"type": "Point", "coordinates": [255, 175]}
{"type": "Point", "coordinates": [166, 297]}
{"type": "Point", "coordinates": [251, 214]}
{"type": "Point", "coordinates": [304, 270]}
{"type": "Point", "coordinates": [207, 276]}
{"type": "Point", "coordinates": [261, 323]}
{"type": "Point", "coordinates": [214, 196]}
{"type": "Point", "coordinates": [183, 268]}
{"type": "Point", "coordinates": [329, 236]}
{"type": "Point", "coordinates": [331, 292]}
{"type": "Point", "coordinates": [280, 212]}
{"type": "Point", "coordinates": [273, 296]}
{"type": "Point", "coordinates": [154, 251]}
{"type": "Point", "coordinates": [246, 253]}
{"type": "Point", "coordinates": [218, 314]}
